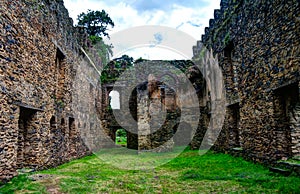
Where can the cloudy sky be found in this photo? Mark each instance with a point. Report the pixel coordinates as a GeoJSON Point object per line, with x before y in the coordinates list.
{"type": "Point", "coordinates": [187, 16]}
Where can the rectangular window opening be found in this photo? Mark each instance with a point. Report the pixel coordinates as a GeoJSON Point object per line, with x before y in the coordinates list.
{"type": "Point", "coordinates": [72, 130]}
{"type": "Point", "coordinates": [234, 119]}
{"type": "Point", "coordinates": [61, 68]}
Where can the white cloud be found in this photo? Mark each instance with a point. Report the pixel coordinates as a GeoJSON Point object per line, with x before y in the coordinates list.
{"type": "Point", "coordinates": [124, 15]}
{"type": "Point", "coordinates": [189, 16]}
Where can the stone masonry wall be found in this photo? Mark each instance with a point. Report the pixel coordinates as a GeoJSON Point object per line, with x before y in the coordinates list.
{"type": "Point", "coordinates": [156, 116]}
{"type": "Point", "coordinates": [169, 112]}
{"type": "Point", "coordinates": [39, 57]}
{"type": "Point", "coordinates": [257, 46]}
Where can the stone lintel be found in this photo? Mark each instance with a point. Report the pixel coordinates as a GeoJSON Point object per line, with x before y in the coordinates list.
{"type": "Point", "coordinates": [233, 102]}
{"type": "Point", "coordinates": [283, 85]}
{"type": "Point", "coordinates": [27, 106]}
{"type": "Point", "coordinates": [58, 47]}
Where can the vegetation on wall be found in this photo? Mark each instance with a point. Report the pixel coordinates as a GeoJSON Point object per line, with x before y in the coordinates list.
{"type": "Point", "coordinates": [114, 68]}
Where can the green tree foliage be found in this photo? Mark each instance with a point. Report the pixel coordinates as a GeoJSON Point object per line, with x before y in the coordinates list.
{"type": "Point", "coordinates": [123, 61]}
{"type": "Point", "coordinates": [139, 60]}
{"type": "Point", "coordinates": [121, 133]}
{"type": "Point", "coordinates": [114, 68]}
{"type": "Point", "coordinates": [96, 22]}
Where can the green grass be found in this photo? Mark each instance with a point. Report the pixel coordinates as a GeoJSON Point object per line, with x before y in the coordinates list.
{"type": "Point", "coordinates": [292, 161]}
{"type": "Point", "coordinates": [121, 141]}
{"type": "Point", "coordinates": [187, 173]}
{"type": "Point", "coordinates": [121, 137]}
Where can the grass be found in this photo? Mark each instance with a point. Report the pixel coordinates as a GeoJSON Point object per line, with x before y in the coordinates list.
{"type": "Point", "coordinates": [292, 161]}
{"type": "Point", "coordinates": [121, 141]}
{"type": "Point", "coordinates": [121, 137]}
{"type": "Point", "coordinates": [187, 173]}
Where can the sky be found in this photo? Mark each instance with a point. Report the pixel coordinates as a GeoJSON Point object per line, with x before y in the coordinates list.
{"type": "Point", "coordinates": [189, 17]}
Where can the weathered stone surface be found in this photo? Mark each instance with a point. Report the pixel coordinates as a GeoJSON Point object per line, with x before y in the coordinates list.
{"type": "Point", "coordinates": [155, 104]}
{"type": "Point", "coordinates": [39, 61]}
{"type": "Point", "coordinates": [53, 108]}
{"type": "Point", "coordinates": [257, 44]}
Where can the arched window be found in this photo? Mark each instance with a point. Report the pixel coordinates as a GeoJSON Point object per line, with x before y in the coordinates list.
{"type": "Point", "coordinates": [114, 99]}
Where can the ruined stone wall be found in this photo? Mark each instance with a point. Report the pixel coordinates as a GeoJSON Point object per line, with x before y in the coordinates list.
{"type": "Point", "coordinates": [87, 104]}
{"type": "Point", "coordinates": [257, 45]}
{"type": "Point", "coordinates": [153, 94]}
{"type": "Point", "coordinates": [117, 76]}
{"type": "Point", "coordinates": [213, 99]}
{"type": "Point", "coordinates": [39, 59]}
{"type": "Point", "coordinates": [156, 116]}
{"type": "Point", "coordinates": [169, 106]}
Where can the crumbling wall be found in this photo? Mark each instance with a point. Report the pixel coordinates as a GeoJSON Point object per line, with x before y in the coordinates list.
{"type": "Point", "coordinates": [156, 115]}
{"type": "Point", "coordinates": [117, 76]}
{"type": "Point", "coordinates": [39, 56]}
{"type": "Point", "coordinates": [158, 94]}
{"type": "Point", "coordinates": [169, 106]}
{"type": "Point", "coordinates": [257, 45]}
{"type": "Point", "coordinates": [88, 105]}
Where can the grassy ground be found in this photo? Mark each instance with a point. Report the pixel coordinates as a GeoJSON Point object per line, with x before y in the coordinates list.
{"type": "Point", "coordinates": [121, 141]}
{"type": "Point", "coordinates": [188, 173]}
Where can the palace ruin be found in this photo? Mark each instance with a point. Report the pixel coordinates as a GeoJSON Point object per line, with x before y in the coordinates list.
{"type": "Point", "coordinates": [53, 101]}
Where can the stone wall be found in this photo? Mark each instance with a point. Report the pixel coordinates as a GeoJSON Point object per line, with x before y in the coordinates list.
{"type": "Point", "coordinates": [157, 93]}
{"type": "Point", "coordinates": [156, 115]}
{"type": "Point", "coordinates": [213, 99]}
{"type": "Point", "coordinates": [175, 101]}
{"type": "Point", "coordinates": [39, 61]}
{"type": "Point", "coordinates": [53, 107]}
{"type": "Point", "coordinates": [113, 119]}
{"type": "Point", "coordinates": [257, 46]}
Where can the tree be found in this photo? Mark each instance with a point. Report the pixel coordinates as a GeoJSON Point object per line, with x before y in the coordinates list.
{"type": "Point", "coordinates": [96, 23]}
{"type": "Point", "coordinates": [124, 61]}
